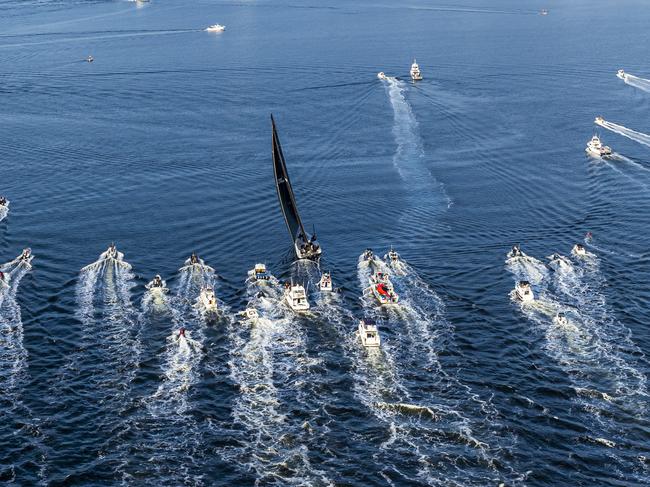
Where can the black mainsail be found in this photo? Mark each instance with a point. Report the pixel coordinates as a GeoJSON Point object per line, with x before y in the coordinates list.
{"type": "Point", "coordinates": [306, 246]}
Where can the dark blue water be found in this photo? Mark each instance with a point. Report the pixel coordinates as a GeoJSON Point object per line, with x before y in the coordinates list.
{"type": "Point", "coordinates": [163, 145]}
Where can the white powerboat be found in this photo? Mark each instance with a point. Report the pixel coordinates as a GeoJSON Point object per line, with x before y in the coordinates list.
{"type": "Point", "coordinates": [558, 262]}
{"type": "Point", "coordinates": [215, 28]}
{"type": "Point", "coordinates": [207, 299]}
{"type": "Point", "coordinates": [250, 315]}
{"type": "Point", "coordinates": [516, 252]}
{"type": "Point", "coordinates": [415, 71]}
{"type": "Point", "coordinates": [4, 202]}
{"type": "Point", "coordinates": [325, 283]}
{"type": "Point", "coordinates": [295, 297]}
{"type": "Point", "coordinates": [579, 250]}
{"type": "Point", "coordinates": [381, 75]}
{"type": "Point", "coordinates": [157, 287]}
{"type": "Point", "coordinates": [259, 274]}
{"type": "Point", "coordinates": [596, 148]}
{"type": "Point", "coordinates": [599, 120]}
{"type": "Point", "coordinates": [621, 74]}
{"type": "Point", "coordinates": [560, 319]}
{"type": "Point", "coordinates": [26, 256]}
{"type": "Point", "coordinates": [543, 12]}
{"type": "Point", "coordinates": [90, 59]}
{"type": "Point", "coordinates": [523, 292]}
{"type": "Point", "coordinates": [369, 334]}
{"type": "Point", "coordinates": [392, 256]}
{"type": "Point", "coordinates": [382, 288]}
{"type": "Point", "coordinates": [195, 263]}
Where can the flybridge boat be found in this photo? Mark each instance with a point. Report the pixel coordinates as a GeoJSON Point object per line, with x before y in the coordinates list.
{"type": "Point", "coordinates": [369, 334]}
{"type": "Point", "coordinates": [523, 292]}
{"type": "Point", "coordinates": [207, 300]}
{"type": "Point", "coordinates": [596, 148]}
{"type": "Point", "coordinates": [382, 288]}
{"type": "Point", "coordinates": [157, 287]}
{"type": "Point", "coordinates": [296, 297]}
{"type": "Point", "coordinates": [259, 274]}
{"type": "Point", "coordinates": [579, 250]}
{"type": "Point", "coordinates": [305, 246]}
{"type": "Point", "coordinates": [415, 71]}
{"type": "Point", "coordinates": [195, 263]}
{"type": "Point", "coordinates": [621, 74]}
{"type": "Point", "coordinates": [215, 28]}
{"type": "Point", "coordinates": [325, 283]}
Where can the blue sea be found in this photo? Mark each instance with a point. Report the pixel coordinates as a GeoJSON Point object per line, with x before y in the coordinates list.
{"type": "Point", "coordinates": [162, 145]}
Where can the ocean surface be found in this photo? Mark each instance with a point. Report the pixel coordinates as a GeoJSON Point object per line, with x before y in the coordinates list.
{"type": "Point", "coordinates": [163, 146]}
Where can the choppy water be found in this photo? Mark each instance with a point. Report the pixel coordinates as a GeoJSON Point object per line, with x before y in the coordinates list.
{"type": "Point", "coordinates": [162, 144]}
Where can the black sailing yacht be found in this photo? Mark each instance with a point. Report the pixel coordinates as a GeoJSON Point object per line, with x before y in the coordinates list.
{"type": "Point", "coordinates": [305, 245]}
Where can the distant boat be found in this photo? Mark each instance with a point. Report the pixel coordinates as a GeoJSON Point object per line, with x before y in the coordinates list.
{"type": "Point", "coordinates": [415, 71]}
{"type": "Point", "coordinates": [305, 245]}
{"type": "Point", "coordinates": [216, 28]}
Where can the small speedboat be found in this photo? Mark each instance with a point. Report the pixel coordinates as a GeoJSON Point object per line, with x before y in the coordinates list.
{"type": "Point", "coordinates": [249, 314]}
{"type": "Point", "coordinates": [382, 288]}
{"type": "Point", "coordinates": [4, 280]}
{"type": "Point", "coordinates": [381, 75]}
{"type": "Point", "coordinates": [543, 12]}
{"type": "Point", "coordinates": [259, 274]}
{"type": "Point", "coordinates": [523, 292]}
{"type": "Point", "coordinates": [558, 262]}
{"type": "Point", "coordinates": [596, 148]}
{"type": "Point", "coordinates": [369, 334]}
{"type": "Point", "coordinates": [621, 74]}
{"type": "Point", "coordinates": [515, 252]}
{"type": "Point", "coordinates": [157, 286]}
{"type": "Point", "coordinates": [26, 256]}
{"type": "Point", "coordinates": [599, 120]}
{"type": "Point", "coordinates": [215, 28]}
{"type": "Point", "coordinates": [415, 71]}
{"type": "Point", "coordinates": [579, 250]}
{"type": "Point", "coordinates": [195, 263]}
{"type": "Point", "coordinates": [560, 319]}
{"type": "Point", "coordinates": [295, 297]}
{"type": "Point", "coordinates": [207, 299]}
{"type": "Point", "coordinates": [90, 59]}
{"type": "Point", "coordinates": [325, 283]}
{"type": "Point", "coordinates": [392, 256]}
{"type": "Point", "coordinates": [4, 202]}
{"type": "Point", "coordinates": [110, 253]}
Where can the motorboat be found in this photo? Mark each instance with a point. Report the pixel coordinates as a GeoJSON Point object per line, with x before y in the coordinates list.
{"type": "Point", "coordinates": [259, 274]}
{"type": "Point", "coordinates": [369, 334]}
{"type": "Point", "coordinates": [515, 252]}
{"type": "Point", "coordinates": [368, 255]}
{"type": "Point", "coordinates": [215, 28]}
{"type": "Point", "coordinates": [4, 202]}
{"type": "Point", "coordinates": [382, 288]}
{"type": "Point", "coordinates": [543, 12]}
{"type": "Point", "coordinates": [110, 256]}
{"type": "Point", "coordinates": [207, 299]}
{"type": "Point", "coordinates": [560, 319]}
{"type": "Point", "coordinates": [558, 262]}
{"type": "Point", "coordinates": [415, 71]}
{"type": "Point", "coordinates": [110, 253]}
{"type": "Point", "coordinates": [523, 292]}
{"type": "Point", "coordinates": [392, 256]}
{"type": "Point", "coordinates": [249, 314]}
{"type": "Point", "coordinates": [621, 74]}
{"type": "Point", "coordinates": [579, 250]}
{"type": "Point", "coordinates": [381, 75]}
{"type": "Point", "coordinates": [90, 59]}
{"type": "Point", "coordinates": [26, 256]}
{"type": "Point", "coordinates": [296, 297]}
{"type": "Point", "coordinates": [195, 263]}
{"type": "Point", "coordinates": [157, 286]}
{"type": "Point", "coordinates": [305, 246]}
{"type": "Point", "coordinates": [596, 148]}
{"type": "Point", "coordinates": [599, 120]}
{"type": "Point", "coordinates": [325, 283]}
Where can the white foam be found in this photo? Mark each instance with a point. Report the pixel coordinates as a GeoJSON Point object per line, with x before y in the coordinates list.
{"type": "Point", "coordinates": [636, 82]}
{"type": "Point", "coordinates": [639, 137]}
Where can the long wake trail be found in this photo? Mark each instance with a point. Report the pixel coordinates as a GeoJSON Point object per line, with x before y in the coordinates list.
{"type": "Point", "coordinates": [425, 195]}
{"type": "Point", "coordinates": [639, 83]}
{"type": "Point", "coordinates": [595, 350]}
{"type": "Point", "coordinates": [270, 366]}
{"type": "Point", "coordinates": [439, 431]}
{"type": "Point", "coordinates": [639, 137]}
